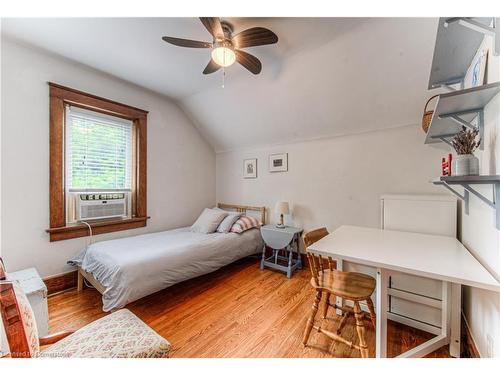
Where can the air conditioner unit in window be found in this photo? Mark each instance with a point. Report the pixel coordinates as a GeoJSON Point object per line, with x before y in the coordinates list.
{"type": "Point", "coordinates": [93, 206]}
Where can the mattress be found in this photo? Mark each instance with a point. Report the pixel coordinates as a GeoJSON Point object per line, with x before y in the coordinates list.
{"type": "Point", "coordinates": [134, 267]}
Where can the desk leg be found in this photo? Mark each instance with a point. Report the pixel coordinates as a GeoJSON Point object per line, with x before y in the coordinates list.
{"type": "Point", "coordinates": [443, 338]}
{"type": "Point", "coordinates": [340, 301]}
{"type": "Point", "coordinates": [381, 311]}
{"type": "Point", "coordinates": [455, 317]}
{"type": "Point", "coordinates": [445, 309]}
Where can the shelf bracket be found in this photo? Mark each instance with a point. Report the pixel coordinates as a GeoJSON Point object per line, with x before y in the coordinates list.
{"type": "Point", "coordinates": [479, 195]}
{"type": "Point", "coordinates": [449, 82]}
{"type": "Point", "coordinates": [494, 203]}
{"type": "Point", "coordinates": [478, 27]}
{"type": "Point", "coordinates": [448, 87]}
{"type": "Point", "coordinates": [445, 139]}
{"type": "Point", "coordinates": [455, 116]}
{"type": "Point", "coordinates": [471, 24]}
{"type": "Point", "coordinates": [497, 203]}
{"type": "Point", "coordinates": [464, 196]}
{"type": "Point", "coordinates": [462, 122]}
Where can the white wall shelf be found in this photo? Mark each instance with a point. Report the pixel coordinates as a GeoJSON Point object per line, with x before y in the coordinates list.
{"type": "Point", "coordinates": [460, 108]}
{"type": "Point", "coordinates": [457, 41]}
{"type": "Point", "coordinates": [466, 182]}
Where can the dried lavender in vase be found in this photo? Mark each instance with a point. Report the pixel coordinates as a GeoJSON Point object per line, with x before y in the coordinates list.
{"type": "Point", "coordinates": [465, 143]}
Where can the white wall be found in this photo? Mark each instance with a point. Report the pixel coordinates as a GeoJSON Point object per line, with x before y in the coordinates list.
{"type": "Point", "coordinates": [479, 235]}
{"type": "Point", "coordinates": [334, 181]}
{"type": "Point", "coordinates": [181, 165]}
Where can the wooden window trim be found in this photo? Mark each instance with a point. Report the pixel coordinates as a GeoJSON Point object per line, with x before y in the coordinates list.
{"type": "Point", "coordinates": [60, 96]}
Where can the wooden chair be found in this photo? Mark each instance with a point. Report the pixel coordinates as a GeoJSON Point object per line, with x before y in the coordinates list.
{"type": "Point", "coordinates": [352, 286]}
{"type": "Point", "coordinates": [120, 334]}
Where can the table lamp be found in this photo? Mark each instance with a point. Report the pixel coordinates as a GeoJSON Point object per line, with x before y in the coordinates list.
{"type": "Point", "coordinates": [281, 208]}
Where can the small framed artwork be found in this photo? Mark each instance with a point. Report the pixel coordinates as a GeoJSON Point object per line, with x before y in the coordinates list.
{"type": "Point", "coordinates": [250, 168]}
{"type": "Point", "coordinates": [278, 163]}
{"type": "Point", "coordinates": [476, 75]}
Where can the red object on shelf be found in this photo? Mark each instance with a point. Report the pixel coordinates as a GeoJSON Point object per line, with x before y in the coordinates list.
{"type": "Point", "coordinates": [446, 166]}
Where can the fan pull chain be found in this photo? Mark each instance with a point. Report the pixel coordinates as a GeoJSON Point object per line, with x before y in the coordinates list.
{"type": "Point", "coordinates": [224, 69]}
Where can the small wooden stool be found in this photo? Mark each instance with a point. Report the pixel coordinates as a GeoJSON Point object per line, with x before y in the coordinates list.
{"type": "Point", "coordinates": [351, 286]}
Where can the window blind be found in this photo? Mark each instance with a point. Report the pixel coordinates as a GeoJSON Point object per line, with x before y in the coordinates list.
{"type": "Point", "coordinates": [98, 151]}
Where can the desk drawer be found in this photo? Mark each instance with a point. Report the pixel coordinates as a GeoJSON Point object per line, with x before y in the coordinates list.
{"type": "Point", "coordinates": [416, 311]}
{"type": "Point", "coordinates": [417, 285]}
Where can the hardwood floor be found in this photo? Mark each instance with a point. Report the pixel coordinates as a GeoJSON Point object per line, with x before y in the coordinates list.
{"type": "Point", "coordinates": [238, 311]}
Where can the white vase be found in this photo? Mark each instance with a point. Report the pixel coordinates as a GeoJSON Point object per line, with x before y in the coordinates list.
{"type": "Point", "coordinates": [466, 165]}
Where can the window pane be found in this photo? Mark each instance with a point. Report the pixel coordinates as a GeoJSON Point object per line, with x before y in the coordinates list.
{"type": "Point", "coordinates": [98, 151]}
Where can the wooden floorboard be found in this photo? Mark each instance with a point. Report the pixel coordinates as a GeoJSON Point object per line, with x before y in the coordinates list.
{"type": "Point", "coordinates": [237, 311]}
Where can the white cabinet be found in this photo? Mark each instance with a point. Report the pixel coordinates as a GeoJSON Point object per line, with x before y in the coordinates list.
{"type": "Point", "coordinates": [428, 214]}
{"type": "Point", "coordinates": [36, 291]}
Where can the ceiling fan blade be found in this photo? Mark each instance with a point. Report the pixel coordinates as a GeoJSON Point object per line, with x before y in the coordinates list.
{"type": "Point", "coordinates": [248, 61]}
{"type": "Point", "coordinates": [213, 26]}
{"type": "Point", "coordinates": [256, 36]}
{"type": "Point", "coordinates": [186, 42]}
{"type": "Point", "coordinates": [211, 67]}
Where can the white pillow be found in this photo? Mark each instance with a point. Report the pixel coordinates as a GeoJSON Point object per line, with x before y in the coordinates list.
{"type": "Point", "coordinates": [208, 221]}
{"type": "Point", "coordinates": [228, 222]}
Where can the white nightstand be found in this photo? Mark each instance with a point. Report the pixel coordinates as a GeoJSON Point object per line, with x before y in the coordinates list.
{"type": "Point", "coordinates": [36, 291]}
{"type": "Point", "coordinates": [281, 239]}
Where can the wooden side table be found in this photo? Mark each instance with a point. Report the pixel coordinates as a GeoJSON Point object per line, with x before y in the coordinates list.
{"type": "Point", "coordinates": [281, 239]}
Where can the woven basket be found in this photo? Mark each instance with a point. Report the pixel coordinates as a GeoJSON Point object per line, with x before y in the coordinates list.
{"type": "Point", "coordinates": [427, 117]}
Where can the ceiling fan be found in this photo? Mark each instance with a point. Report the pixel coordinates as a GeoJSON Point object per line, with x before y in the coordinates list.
{"type": "Point", "coordinates": [226, 48]}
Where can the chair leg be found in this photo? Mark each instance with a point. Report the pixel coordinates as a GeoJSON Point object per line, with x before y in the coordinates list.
{"type": "Point", "coordinates": [327, 304]}
{"type": "Point", "coordinates": [310, 321]}
{"type": "Point", "coordinates": [358, 315]}
{"type": "Point", "coordinates": [343, 321]}
{"type": "Point", "coordinates": [373, 317]}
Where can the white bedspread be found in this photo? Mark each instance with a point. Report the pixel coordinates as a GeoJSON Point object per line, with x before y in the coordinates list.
{"type": "Point", "coordinates": [133, 267]}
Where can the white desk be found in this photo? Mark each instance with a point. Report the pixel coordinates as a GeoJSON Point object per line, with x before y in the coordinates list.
{"type": "Point", "coordinates": [436, 257]}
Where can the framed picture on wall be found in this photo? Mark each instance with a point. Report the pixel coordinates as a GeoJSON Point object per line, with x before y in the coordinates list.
{"type": "Point", "coordinates": [250, 168]}
{"type": "Point", "coordinates": [476, 75]}
{"type": "Point", "coordinates": [278, 163]}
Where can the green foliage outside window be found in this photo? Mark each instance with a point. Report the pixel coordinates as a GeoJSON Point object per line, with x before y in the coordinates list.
{"type": "Point", "coordinates": [99, 155]}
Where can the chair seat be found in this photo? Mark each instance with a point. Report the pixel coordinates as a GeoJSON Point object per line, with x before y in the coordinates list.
{"type": "Point", "coordinates": [118, 335]}
{"type": "Point", "coordinates": [351, 285]}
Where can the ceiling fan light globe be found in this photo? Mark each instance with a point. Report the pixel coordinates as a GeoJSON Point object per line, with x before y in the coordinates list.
{"type": "Point", "coordinates": [223, 56]}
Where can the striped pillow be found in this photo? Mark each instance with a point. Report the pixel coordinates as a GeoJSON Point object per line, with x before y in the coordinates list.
{"type": "Point", "coordinates": [245, 223]}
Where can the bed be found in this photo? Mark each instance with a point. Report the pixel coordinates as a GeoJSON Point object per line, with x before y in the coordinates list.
{"type": "Point", "coordinates": [127, 269]}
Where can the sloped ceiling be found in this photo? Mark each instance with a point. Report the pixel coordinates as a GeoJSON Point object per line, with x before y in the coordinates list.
{"type": "Point", "coordinates": [325, 77]}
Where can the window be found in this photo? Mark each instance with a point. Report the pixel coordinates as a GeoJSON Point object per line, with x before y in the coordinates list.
{"type": "Point", "coordinates": [98, 151]}
{"type": "Point", "coordinates": [96, 145]}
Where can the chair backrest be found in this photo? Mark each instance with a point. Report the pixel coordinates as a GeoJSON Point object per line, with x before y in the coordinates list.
{"type": "Point", "coordinates": [314, 236]}
{"type": "Point", "coordinates": [18, 319]}
{"type": "Point", "coordinates": [316, 262]}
